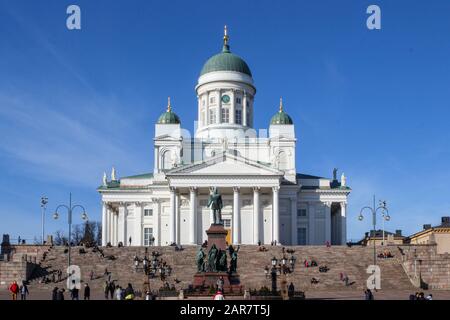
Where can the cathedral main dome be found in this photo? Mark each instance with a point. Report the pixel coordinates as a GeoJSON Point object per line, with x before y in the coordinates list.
{"type": "Point", "coordinates": [226, 61]}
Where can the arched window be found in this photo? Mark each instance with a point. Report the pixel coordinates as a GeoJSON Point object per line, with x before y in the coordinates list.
{"type": "Point", "coordinates": [167, 160]}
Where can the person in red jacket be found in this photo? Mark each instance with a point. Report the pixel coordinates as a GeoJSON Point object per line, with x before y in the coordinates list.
{"type": "Point", "coordinates": [14, 289]}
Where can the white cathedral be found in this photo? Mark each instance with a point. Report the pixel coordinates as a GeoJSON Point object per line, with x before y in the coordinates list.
{"type": "Point", "coordinates": [265, 199]}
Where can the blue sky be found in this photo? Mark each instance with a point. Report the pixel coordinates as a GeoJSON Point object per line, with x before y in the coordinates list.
{"type": "Point", "coordinates": [375, 104]}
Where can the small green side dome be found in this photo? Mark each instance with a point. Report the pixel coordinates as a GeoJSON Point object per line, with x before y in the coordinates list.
{"type": "Point", "coordinates": [281, 117]}
{"type": "Point", "coordinates": [169, 117]}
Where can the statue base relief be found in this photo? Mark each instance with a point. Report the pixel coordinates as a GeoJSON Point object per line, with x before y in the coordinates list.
{"type": "Point", "coordinates": [207, 280]}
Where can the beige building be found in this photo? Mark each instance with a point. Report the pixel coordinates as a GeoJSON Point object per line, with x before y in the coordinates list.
{"type": "Point", "coordinates": [377, 237]}
{"type": "Point", "coordinates": [439, 235]}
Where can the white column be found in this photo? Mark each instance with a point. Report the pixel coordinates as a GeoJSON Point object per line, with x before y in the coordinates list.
{"type": "Point", "coordinates": [111, 226]}
{"type": "Point", "coordinates": [155, 160]}
{"type": "Point", "coordinates": [172, 226]}
{"type": "Point", "coordinates": [193, 215]}
{"type": "Point", "coordinates": [311, 224]}
{"type": "Point", "coordinates": [219, 106]}
{"type": "Point", "coordinates": [276, 214]}
{"type": "Point", "coordinates": [343, 223]}
{"type": "Point", "coordinates": [115, 227]}
{"type": "Point", "coordinates": [199, 120]}
{"type": "Point", "coordinates": [137, 239]}
{"type": "Point", "coordinates": [207, 109]}
{"type": "Point", "coordinates": [104, 224]}
{"type": "Point", "coordinates": [211, 215]}
{"type": "Point", "coordinates": [294, 221]}
{"type": "Point", "coordinates": [236, 217]}
{"type": "Point", "coordinates": [121, 223]}
{"type": "Point", "coordinates": [232, 106]}
{"type": "Point", "coordinates": [328, 222]}
{"type": "Point", "coordinates": [244, 110]}
{"type": "Point", "coordinates": [177, 217]}
{"type": "Point", "coordinates": [256, 215]}
{"type": "Point", "coordinates": [156, 221]}
{"type": "Point", "coordinates": [109, 232]}
{"type": "Point", "coordinates": [124, 225]}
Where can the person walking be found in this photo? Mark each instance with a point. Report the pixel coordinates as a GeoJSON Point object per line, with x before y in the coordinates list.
{"type": "Point", "coordinates": [112, 288]}
{"type": "Point", "coordinates": [74, 293]}
{"type": "Point", "coordinates": [55, 293]}
{"type": "Point", "coordinates": [106, 289]}
{"type": "Point", "coordinates": [87, 292]}
{"type": "Point", "coordinates": [129, 292]}
{"type": "Point", "coordinates": [129, 241]}
{"type": "Point", "coordinates": [24, 291]}
{"type": "Point", "coordinates": [91, 275]}
{"type": "Point", "coordinates": [60, 295]}
{"type": "Point", "coordinates": [14, 289]}
{"type": "Point", "coordinates": [119, 293]}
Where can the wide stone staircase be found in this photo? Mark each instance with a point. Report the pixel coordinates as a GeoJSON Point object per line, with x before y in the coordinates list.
{"type": "Point", "coordinates": [251, 262]}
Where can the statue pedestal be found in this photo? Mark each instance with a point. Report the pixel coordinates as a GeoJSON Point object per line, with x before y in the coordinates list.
{"type": "Point", "coordinates": [204, 280]}
{"type": "Point", "coordinates": [207, 280]}
{"type": "Point", "coordinates": [217, 235]}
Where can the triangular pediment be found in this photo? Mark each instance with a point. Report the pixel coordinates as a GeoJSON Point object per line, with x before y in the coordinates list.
{"type": "Point", "coordinates": [226, 164]}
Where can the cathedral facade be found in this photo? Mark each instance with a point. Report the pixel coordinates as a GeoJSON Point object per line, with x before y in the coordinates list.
{"type": "Point", "coordinates": [265, 199]}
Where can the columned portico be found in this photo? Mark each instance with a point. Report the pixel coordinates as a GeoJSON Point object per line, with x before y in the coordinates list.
{"type": "Point", "coordinates": [328, 222]}
{"type": "Point", "coordinates": [236, 216]}
{"type": "Point", "coordinates": [343, 222]}
{"type": "Point", "coordinates": [256, 215]}
{"type": "Point", "coordinates": [172, 226]}
{"type": "Point", "coordinates": [293, 220]}
{"type": "Point", "coordinates": [116, 227]}
{"type": "Point", "coordinates": [104, 224]}
{"type": "Point", "coordinates": [137, 240]}
{"type": "Point", "coordinates": [276, 214]}
{"type": "Point", "coordinates": [157, 221]}
{"type": "Point", "coordinates": [193, 215]}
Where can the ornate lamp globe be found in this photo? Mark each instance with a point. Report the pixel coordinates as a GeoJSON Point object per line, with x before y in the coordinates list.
{"type": "Point", "coordinates": [56, 216]}
{"type": "Point", "coordinates": [387, 217]}
{"type": "Point", "coordinates": [283, 261]}
{"type": "Point", "coordinates": [360, 217]}
{"type": "Point", "coordinates": [84, 216]}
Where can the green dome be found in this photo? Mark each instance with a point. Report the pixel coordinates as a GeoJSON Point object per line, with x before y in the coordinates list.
{"type": "Point", "coordinates": [226, 61]}
{"type": "Point", "coordinates": [281, 117]}
{"type": "Point", "coordinates": [169, 117]}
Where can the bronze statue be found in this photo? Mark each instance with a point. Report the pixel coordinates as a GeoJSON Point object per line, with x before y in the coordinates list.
{"type": "Point", "coordinates": [200, 260]}
{"type": "Point", "coordinates": [215, 203]}
{"type": "Point", "coordinates": [222, 261]}
{"type": "Point", "coordinates": [233, 257]}
{"type": "Point", "coordinates": [212, 257]}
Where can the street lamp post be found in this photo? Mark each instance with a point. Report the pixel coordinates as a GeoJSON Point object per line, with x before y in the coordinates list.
{"type": "Point", "coordinates": [70, 209]}
{"type": "Point", "coordinates": [374, 211]}
{"type": "Point", "coordinates": [44, 201]}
